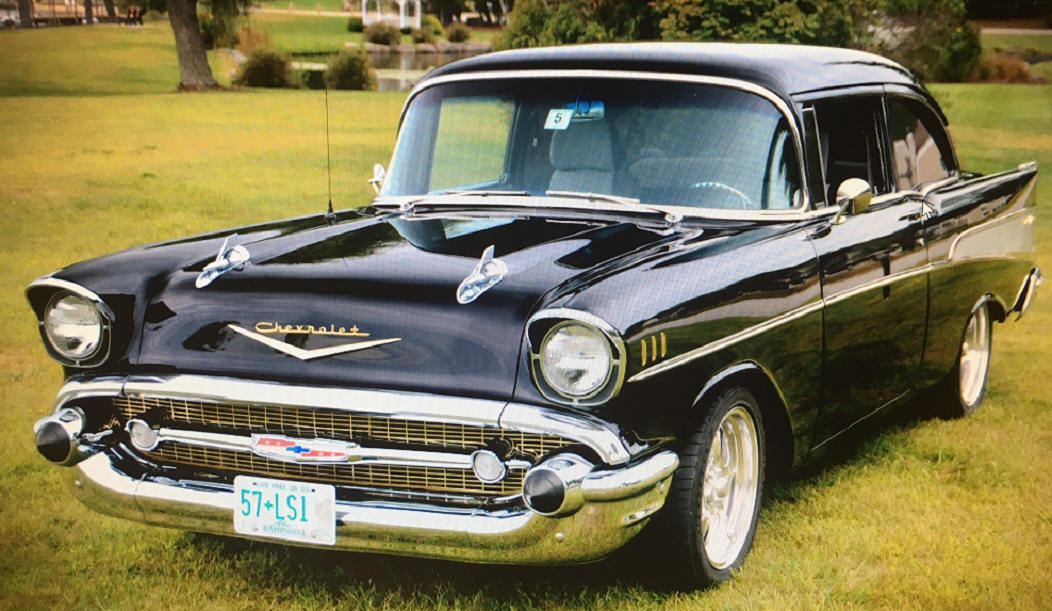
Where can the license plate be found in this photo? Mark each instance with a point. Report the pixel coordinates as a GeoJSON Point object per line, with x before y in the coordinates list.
{"type": "Point", "coordinates": [280, 509]}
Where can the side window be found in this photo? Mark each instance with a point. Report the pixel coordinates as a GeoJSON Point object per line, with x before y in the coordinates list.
{"type": "Point", "coordinates": [850, 147]}
{"type": "Point", "coordinates": [916, 153]}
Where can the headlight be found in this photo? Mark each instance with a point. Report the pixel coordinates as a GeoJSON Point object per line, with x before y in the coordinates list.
{"type": "Point", "coordinates": [575, 357]}
{"type": "Point", "coordinates": [73, 326]}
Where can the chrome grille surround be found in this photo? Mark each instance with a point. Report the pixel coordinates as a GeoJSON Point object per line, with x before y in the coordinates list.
{"type": "Point", "coordinates": [310, 423]}
{"type": "Point", "coordinates": [411, 425]}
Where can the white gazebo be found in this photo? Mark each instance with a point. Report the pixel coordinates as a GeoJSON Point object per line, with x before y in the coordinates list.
{"type": "Point", "coordinates": [408, 13]}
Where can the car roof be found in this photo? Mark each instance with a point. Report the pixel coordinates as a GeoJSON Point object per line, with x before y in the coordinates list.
{"type": "Point", "coordinates": [786, 70]}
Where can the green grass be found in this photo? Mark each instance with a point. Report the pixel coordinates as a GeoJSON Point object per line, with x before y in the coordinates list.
{"type": "Point", "coordinates": [301, 33]}
{"type": "Point", "coordinates": [1036, 42]}
{"type": "Point", "coordinates": [929, 514]}
{"type": "Point", "coordinates": [304, 5]}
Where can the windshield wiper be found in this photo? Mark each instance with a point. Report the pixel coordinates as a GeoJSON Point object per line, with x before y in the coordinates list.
{"type": "Point", "coordinates": [484, 192]}
{"type": "Point", "coordinates": [616, 199]}
{"type": "Point", "coordinates": [671, 218]}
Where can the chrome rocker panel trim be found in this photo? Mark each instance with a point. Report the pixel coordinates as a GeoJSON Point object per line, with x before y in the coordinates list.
{"type": "Point", "coordinates": [617, 504]}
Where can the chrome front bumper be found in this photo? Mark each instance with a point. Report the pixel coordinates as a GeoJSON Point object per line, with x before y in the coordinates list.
{"type": "Point", "coordinates": [616, 505]}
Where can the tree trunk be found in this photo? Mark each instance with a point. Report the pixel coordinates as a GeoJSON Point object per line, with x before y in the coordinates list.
{"type": "Point", "coordinates": [25, 13]}
{"type": "Point", "coordinates": [111, 10]}
{"type": "Point", "coordinates": [194, 72]}
{"type": "Point", "coordinates": [89, 16]}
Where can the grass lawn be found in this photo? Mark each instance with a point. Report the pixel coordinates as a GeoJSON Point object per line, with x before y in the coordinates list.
{"type": "Point", "coordinates": [1037, 42]}
{"type": "Point", "coordinates": [302, 33]}
{"type": "Point", "coordinates": [929, 514]}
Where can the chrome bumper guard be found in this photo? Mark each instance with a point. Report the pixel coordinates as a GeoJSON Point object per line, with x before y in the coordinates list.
{"type": "Point", "coordinates": [616, 504]}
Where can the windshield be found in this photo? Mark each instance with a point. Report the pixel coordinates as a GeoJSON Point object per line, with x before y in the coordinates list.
{"type": "Point", "coordinates": [662, 143]}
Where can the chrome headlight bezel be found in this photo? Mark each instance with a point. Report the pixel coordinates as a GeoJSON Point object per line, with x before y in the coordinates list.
{"type": "Point", "coordinates": [544, 326]}
{"type": "Point", "coordinates": [58, 290]}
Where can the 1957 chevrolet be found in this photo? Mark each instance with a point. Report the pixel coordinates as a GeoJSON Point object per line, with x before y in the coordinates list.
{"type": "Point", "coordinates": [601, 286]}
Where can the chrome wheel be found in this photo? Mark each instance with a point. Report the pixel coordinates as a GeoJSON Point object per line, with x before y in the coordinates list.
{"type": "Point", "coordinates": [730, 487]}
{"type": "Point", "coordinates": [975, 357]}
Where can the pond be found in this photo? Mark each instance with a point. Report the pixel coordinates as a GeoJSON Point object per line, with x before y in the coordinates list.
{"type": "Point", "coordinates": [395, 71]}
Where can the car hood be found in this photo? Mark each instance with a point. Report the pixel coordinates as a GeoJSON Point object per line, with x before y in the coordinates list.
{"type": "Point", "coordinates": [313, 290]}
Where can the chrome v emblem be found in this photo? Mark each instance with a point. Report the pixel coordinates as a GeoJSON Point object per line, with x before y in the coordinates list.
{"type": "Point", "coordinates": [317, 353]}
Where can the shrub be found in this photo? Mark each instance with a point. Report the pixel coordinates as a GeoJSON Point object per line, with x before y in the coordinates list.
{"type": "Point", "coordinates": [381, 33]}
{"type": "Point", "coordinates": [351, 70]}
{"type": "Point", "coordinates": [432, 23]}
{"type": "Point", "coordinates": [458, 32]}
{"type": "Point", "coordinates": [248, 40]}
{"type": "Point", "coordinates": [311, 79]}
{"type": "Point", "coordinates": [355, 24]}
{"type": "Point", "coordinates": [265, 68]}
{"type": "Point", "coordinates": [406, 30]}
{"type": "Point", "coordinates": [1000, 67]}
{"type": "Point", "coordinates": [423, 35]}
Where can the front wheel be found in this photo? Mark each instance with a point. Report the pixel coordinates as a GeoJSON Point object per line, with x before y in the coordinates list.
{"type": "Point", "coordinates": [716, 491]}
{"type": "Point", "coordinates": [965, 387]}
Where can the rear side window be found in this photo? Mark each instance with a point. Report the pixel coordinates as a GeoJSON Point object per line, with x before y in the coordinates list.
{"type": "Point", "coordinates": [919, 156]}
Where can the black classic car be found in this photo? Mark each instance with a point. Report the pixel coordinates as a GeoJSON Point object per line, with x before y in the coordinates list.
{"type": "Point", "coordinates": [601, 287]}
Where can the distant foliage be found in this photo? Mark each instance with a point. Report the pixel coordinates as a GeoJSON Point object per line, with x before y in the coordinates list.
{"type": "Point", "coordinates": [351, 70]}
{"type": "Point", "coordinates": [266, 68]}
{"type": "Point", "coordinates": [248, 40]}
{"type": "Point", "coordinates": [1000, 9]}
{"type": "Point", "coordinates": [821, 22]}
{"type": "Point", "coordinates": [432, 23]}
{"type": "Point", "coordinates": [355, 24]}
{"type": "Point", "coordinates": [381, 33]}
{"type": "Point", "coordinates": [423, 36]}
{"type": "Point", "coordinates": [217, 32]}
{"type": "Point", "coordinates": [932, 38]}
{"type": "Point", "coordinates": [458, 32]}
{"type": "Point", "coordinates": [536, 23]}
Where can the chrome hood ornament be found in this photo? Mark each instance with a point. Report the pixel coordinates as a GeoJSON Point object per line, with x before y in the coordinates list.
{"type": "Point", "coordinates": [235, 257]}
{"type": "Point", "coordinates": [485, 276]}
{"type": "Point", "coordinates": [309, 355]}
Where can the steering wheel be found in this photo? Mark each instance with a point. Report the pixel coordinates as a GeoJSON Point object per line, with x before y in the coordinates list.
{"type": "Point", "coordinates": [746, 203]}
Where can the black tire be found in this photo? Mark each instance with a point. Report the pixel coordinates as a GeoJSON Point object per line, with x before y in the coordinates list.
{"type": "Point", "coordinates": [962, 391]}
{"type": "Point", "coordinates": [692, 503]}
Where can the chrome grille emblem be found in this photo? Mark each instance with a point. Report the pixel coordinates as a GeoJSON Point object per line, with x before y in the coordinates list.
{"type": "Point", "coordinates": [289, 449]}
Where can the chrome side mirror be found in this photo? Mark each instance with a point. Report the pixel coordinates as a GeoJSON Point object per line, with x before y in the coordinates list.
{"type": "Point", "coordinates": [854, 195]}
{"type": "Point", "coordinates": [379, 174]}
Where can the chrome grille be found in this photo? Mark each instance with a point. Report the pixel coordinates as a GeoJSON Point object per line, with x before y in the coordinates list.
{"type": "Point", "coordinates": [310, 423]}
{"type": "Point", "coordinates": [428, 479]}
{"type": "Point", "coordinates": [296, 421]}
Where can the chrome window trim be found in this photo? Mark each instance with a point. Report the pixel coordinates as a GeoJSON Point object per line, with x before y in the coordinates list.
{"type": "Point", "coordinates": [603, 438]}
{"type": "Point", "coordinates": [57, 285]}
{"type": "Point", "coordinates": [618, 361]}
{"type": "Point", "coordinates": [732, 83]}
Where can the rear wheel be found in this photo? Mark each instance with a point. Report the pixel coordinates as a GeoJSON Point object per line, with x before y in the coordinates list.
{"type": "Point", "coordinates": [965, 387]}
{"type": "Point", "coordinates": [715, 496]}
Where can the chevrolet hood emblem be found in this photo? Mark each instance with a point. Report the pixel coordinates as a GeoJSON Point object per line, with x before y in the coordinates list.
{"type": "Point", "coordinates": [309, 355]}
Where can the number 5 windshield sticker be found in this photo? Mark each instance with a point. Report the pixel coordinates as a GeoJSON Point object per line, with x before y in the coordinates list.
{"type": "Point", "coordinates": [558, 118]}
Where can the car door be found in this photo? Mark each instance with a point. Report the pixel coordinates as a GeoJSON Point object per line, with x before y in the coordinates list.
{"type": "Point", "coordinates": [873, 271]}
{"type": "Point", "coordinates": [975, 226]}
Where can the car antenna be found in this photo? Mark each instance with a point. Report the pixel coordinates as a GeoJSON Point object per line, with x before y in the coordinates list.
{"type": "Point", "coordinates": [329, 216]}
